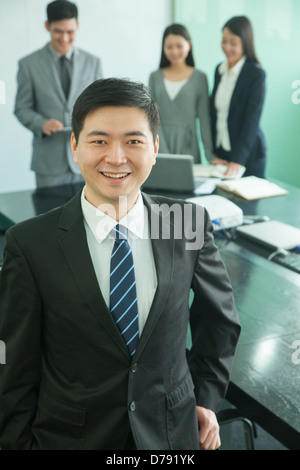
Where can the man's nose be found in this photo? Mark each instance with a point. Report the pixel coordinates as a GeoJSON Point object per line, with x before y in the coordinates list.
{"type": "Point", "coordinates": [65, 37]}
{"type": "Point", "coordinates": [116, 154]}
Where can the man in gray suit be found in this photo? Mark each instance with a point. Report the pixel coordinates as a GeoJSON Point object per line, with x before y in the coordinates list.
{"type": "Point", "coordinates": [95, 328]}
{"type": "Point", "coordinates": [49, 81]}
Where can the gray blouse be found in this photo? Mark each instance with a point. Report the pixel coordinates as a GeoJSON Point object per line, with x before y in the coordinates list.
{"type": "Point", "coordinates": [178, 130]}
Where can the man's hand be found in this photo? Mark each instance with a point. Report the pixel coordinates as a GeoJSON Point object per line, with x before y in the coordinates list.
{"type": "Point", "coordinates": [209, 437]}
{"type": "Point", "coordinates": [51, 126]}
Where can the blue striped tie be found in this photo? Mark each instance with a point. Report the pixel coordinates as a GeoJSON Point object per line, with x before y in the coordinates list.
{"type": "Point", "coordinates": [123, 299]}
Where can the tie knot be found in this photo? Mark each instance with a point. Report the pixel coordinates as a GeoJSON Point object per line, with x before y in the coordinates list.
{"type": "Point", "coordinates": [119, 232]}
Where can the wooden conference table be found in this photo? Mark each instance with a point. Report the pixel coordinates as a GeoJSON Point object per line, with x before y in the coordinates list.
{"type": "Point", "coordinates": [265, 380]}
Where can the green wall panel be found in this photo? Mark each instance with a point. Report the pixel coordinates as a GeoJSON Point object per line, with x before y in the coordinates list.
{"type": "Point", "coordinates": [276, 26]}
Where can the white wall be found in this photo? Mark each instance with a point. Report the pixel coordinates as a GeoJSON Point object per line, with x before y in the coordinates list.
{"type": "Point", "coordinates": [125, 34]}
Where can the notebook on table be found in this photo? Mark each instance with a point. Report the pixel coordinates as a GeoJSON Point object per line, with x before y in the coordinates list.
{"type": "Point", "coordinates": [252, 188]}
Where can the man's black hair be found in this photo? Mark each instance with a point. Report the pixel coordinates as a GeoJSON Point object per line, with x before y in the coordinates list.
{"type": "Point", "coordinates": [115, 92]}
{"type": "Point", "coordinates": [61, 10]}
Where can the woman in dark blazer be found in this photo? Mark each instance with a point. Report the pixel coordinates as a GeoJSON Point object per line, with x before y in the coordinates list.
{"type": "Point", "coordinates": [237, 102]}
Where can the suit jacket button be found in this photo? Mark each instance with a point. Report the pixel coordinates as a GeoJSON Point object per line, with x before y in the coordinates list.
{"type": "Point", "coordinates": [132, 406]}
{"type": "Point", "coordinates": [134, 368]}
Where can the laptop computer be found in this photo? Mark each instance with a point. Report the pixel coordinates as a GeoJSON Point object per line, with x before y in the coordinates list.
{"type": "Point", "coordinates": [272, 233]}
{"type": "Point", "coordinates": [172, 173]}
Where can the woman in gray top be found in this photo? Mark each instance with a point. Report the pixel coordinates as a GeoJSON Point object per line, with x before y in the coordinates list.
{"type": "Point", "coordinates": [181, 92]}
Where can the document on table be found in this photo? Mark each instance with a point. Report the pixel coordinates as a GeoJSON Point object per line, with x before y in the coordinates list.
{"type": "Point", "coordinates": [206, 185]}
{"type": "Point", "coordinates": [252, 188]}
{"type": "Point", "coordinates": [214, 171]}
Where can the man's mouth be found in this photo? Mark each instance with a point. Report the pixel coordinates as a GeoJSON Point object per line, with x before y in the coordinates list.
{"type": "Point", "coordinates": [114, 175]}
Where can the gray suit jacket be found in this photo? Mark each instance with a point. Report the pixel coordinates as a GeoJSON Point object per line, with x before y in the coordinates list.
{"type": "Point", "coordinates": [40, 97]}
{"type": "Point", "coordinates": [68, 381]}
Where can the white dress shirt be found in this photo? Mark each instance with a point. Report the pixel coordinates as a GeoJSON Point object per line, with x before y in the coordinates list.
{"type": "Point", "coordinates": [100, 242]}
{"type": "Point", "coordinates": [223, 98]}
{"type": "Point", "coordinates": [173, 88]}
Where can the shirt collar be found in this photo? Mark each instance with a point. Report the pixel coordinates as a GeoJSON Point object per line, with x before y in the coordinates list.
{"type": "Point", "coordinates": [235, 70]}
{"type": "Point", "coordinates": [101, 224]}
{"type": "Point", "coordinates": [56, 55]}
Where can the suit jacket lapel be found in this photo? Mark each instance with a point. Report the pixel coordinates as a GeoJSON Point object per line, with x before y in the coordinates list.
{"type": "Point", "coordinates": [238, 87]}
{"type": "Point", "coordinates": [76, 78]}
{"type": "Point", "coordinates": [163, 252]}
{"type": "Point", "coordinates": [213, 96]}
{"type": "Point", "coordinates": [50, 71]}
{"type": "Point", "coordinates": [75, 248]}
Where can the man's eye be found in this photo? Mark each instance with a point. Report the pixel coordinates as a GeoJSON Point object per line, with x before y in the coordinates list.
{"type": "Point", "coordinates": [134, 141]}
{"type": "Point", "coordinates": [99, 142]}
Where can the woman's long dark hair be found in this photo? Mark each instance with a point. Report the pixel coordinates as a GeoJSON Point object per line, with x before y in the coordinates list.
{"type": "Point", "coordinates": [180, 30]}
{"type": "Point", "coordinates": [241, 26]}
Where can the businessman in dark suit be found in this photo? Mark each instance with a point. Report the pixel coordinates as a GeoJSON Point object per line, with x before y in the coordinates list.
{"type": "Point", "coordinates": [49, 81]}
{"type": "Point", "coordinates": [75, 378]}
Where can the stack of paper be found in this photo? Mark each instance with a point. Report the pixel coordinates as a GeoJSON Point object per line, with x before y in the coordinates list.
{"type": "Point", "coordinates": [214, 171]}
{"type": "Point", "coordinates": [252, 188]}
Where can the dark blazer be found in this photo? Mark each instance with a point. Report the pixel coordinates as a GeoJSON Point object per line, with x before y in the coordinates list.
{"type": "Point", "coordinates": [247, 141]}
{"type": "Point", "coordinates": [69, 382]}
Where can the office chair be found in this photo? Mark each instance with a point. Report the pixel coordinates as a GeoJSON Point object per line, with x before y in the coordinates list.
{"type": "Point", "coordinates": [228, 416]}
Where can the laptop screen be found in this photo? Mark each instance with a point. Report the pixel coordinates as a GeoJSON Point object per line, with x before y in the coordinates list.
{"type": "Point", "coordinates": [172, 173]}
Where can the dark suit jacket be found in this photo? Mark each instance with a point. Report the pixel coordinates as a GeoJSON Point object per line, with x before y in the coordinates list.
{"type": "Point", "coordinates": [247, 141]}
{"type": "Point", "coordinates": [68, 382]}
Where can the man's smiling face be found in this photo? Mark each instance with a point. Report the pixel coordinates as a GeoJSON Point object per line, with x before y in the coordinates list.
{"type": "Point", "coordinates": [115, 152]}
{"type": "Point", "coordinates": [62, 34]}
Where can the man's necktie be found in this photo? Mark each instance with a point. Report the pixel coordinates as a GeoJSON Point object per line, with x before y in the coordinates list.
{"type": "Point", "coordinates": [123, 299]}
{"type": "Point", "coordinates": [64, 75]}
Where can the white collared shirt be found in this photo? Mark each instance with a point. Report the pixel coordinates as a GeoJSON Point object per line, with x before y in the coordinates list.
{"type": "Point", "coordinates": [173, 88]}
{"type": "Point", "coordinates": [56, 55]}
{"type": "Point", "coordinates": [98, 226]}
{"type": "Point", "coordinates": [222, 101]}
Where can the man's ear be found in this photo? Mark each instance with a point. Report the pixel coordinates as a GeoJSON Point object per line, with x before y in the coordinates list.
{"type": "Point", "coordinates": [74, 147]}
{"type": "Point", "coordinates": [47, 26]}
{"type": "Point", "coordinates": [156, 147]}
